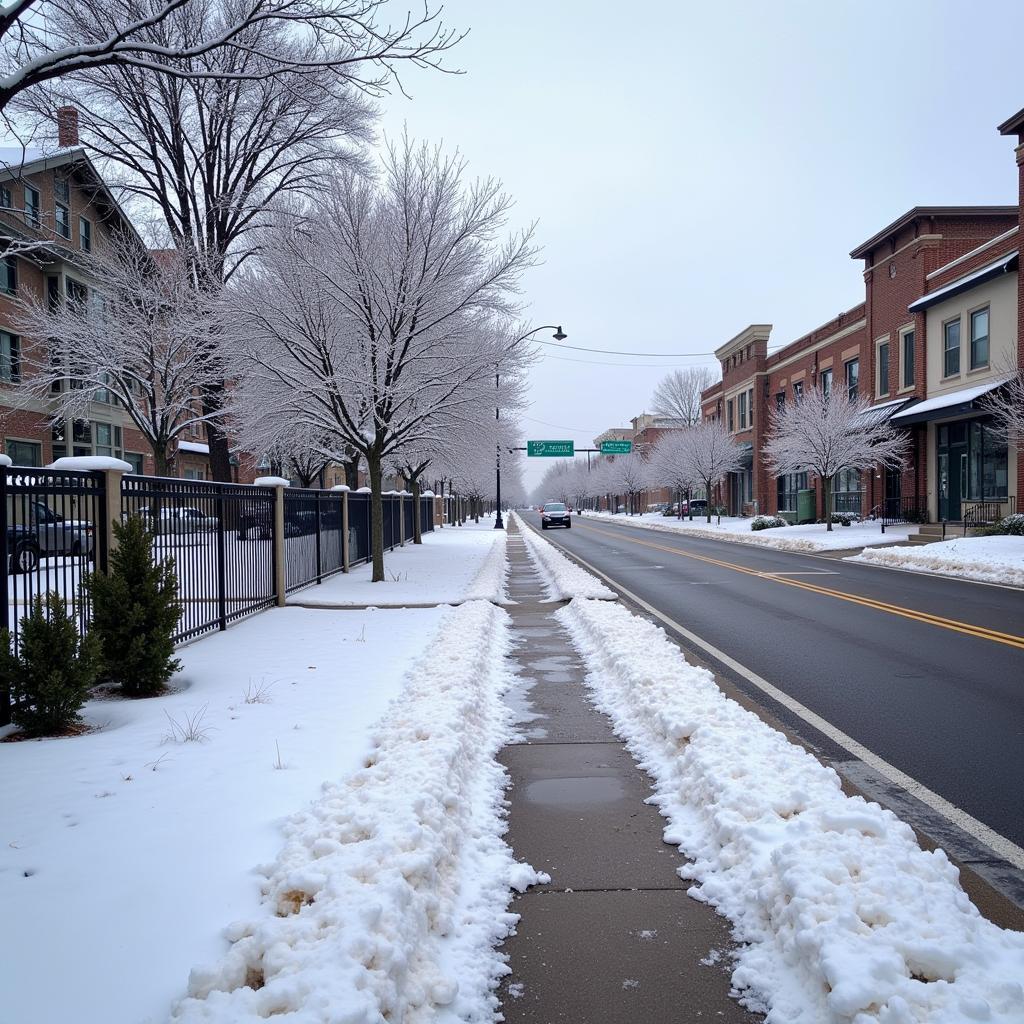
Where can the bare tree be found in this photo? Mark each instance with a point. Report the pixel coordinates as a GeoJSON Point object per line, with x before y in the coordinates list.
{"type": "Point", "coordinates": [671, 465]}
{"type": "Point", "coordinates": [45, 40]}
{"type": "Point", "coordinates": [139, 336]}
{"type": "Point", "coordinates": [395, 302]}
{"type": "Point", "coordinates": [1007, 407]}
{"type": "Point", "coordinates": [678, 393]}
{"type": "Point", "coordinates": [712, 455]}
{"type": "Point", "coordinates": [829, 432]}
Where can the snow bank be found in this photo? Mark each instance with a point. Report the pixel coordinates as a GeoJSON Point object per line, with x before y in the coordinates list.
{"type": "Point", "coordinates": [563, 579]}
{"type": "Point", "coordinates": [843, 917]}
{"type": "Point", "coordinates": [989, 559]}
{"type": "Point", "coordinates": [809, 537]}
{"type": "Point", "coordinates": [392, 888]}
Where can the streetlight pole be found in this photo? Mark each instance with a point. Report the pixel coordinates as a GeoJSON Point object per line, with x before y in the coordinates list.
{"type": "Point", "coordinates": [559, 335]}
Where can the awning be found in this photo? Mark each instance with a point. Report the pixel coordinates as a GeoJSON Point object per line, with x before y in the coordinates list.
{"type": "Point", "coordinates": [879, 413]}
{"type": "Point", "coordinates": [956, 403]}
{"type": "Point", "coordinates": [1003, 265]}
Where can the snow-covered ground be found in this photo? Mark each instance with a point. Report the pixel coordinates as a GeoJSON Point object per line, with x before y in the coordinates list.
{"type": "Point", "coordinates": [458, 563]}
{"type": "Point", "coordinates": [563, 579]}
{"type": "Point", "coordinates": [989, 559]}
{"type": "Point", "coordinates": [841, 915]}
{"type": "Point", "coordinates": [809, 537]}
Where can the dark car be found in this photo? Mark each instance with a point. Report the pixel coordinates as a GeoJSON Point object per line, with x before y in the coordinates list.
{"type": "Point", "coordinates": [22, 550]}
{"type": "Point", "coordinates": [695, 505]}
{"type": "Point", "coordinates": [555, 513]}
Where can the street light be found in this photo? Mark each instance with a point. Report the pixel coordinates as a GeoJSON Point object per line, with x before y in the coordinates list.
{"type": "Point", "coordinates": [559, 335]}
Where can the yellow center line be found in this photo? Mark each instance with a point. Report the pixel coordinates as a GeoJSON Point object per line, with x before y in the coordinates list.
{"type": "Point", "coordinates": [982, 632]}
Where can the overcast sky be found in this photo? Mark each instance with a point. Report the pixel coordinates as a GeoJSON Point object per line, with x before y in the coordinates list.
{"type": "Point", "coordinates": [696, 168]}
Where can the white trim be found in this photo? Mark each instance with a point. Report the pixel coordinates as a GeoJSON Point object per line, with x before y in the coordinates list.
{"type": "Point", "coordinates": [935, 298]}
{"type": "Point", "coordinates": [838, 336]}
{"type": "Point", "coordinates": [974, 252]}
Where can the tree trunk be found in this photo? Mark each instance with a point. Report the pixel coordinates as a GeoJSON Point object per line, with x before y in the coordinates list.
{"type": "Point", "coordinates": [161, 462]}
{"type": "Point", "coordinates": [217, 439]}
{"type": "Point", "coordinates": [352, 473]}
{"type": "Point", "coordinates": [827, 489]}
{"type": "Point", "coordinates": [373, 464]}
{"type": "Point", "coordinates": [417, 524]}
{"type": "Point", "coordinates": [707, 486]}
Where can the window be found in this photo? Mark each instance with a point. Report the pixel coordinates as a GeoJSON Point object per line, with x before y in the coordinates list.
{"type": "Point", "coordinates": [57, 437]}
{"type": "Point", "coordinates": [32, 203]}
{"type": "Point", "coordinates": [25, 453]}
{"type": "Point", "coordinates": [798, 390]}
{"type": "Point", "coordinates": [5, 198]}
{"type": "Point", "coordinates": [10, 275]}
{"type": "Point", "coordinates": [76, 292]}
{"type": "Point", "coordinates": [908, 359]}
{"type": "Point", "coordinates": [136, 461]}
{"type": "Point", "coordinates": [743, 411]}
{"type": "Point", "coordinates": [826, 382]}
{"type": "Point", "coordinates": [852, 379]}
{"type": "Point", "coordinates": [847, 491]}
{"type": "Point", "coordinates": [787, 488]}
{"type": "Point", "coordinates": [951, 348]}
{"type": "Point", "coordinates": [81, 437]}
{"type": "Point", "coordinates": [979, 338]}
{"type": "Point", "coordinates": [62, 220]}
{"type": "Point", "coordinates": [750, 405]}
{"type": "Point", "coordinates": [882, 384]}
{"type": "Point", "coordinates": [729, 417]}
{"type": "Point", "coordinates": [85, 234]}
{"type": "Point", "coordinates": [62, 190]}
{"type": "Point", "coordinates": [108, 439]}
{"type": "Point", "coordinates": [194, 474]}
{"type": "Point", "coordinates": [780, 400]}
{"type": "Point", "coordinates": [10, 357]}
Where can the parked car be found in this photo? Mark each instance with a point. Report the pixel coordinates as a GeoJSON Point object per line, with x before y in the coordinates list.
{"type": "Point", "coordinates": [555, 513]}
{"type": "Point", "coordinates": [179, 519]}
{"type": "Point", "coordinates": [22, 548]}
{"type": "Point", "coordinates": [56, 535]}
{"type": "Point", "coordinates": [695, 505]}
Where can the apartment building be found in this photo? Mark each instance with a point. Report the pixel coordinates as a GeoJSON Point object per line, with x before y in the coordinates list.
{"type": "Point", "coordinates": [939, 327]}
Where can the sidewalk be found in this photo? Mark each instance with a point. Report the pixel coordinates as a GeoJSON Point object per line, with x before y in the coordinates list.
{"type": "Point", "coordinates": [613, 937]}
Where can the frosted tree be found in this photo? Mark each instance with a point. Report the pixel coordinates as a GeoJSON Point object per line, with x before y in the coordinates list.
{"type": "Point", "coordinates": [670, 464]}
{"type": "Point", "coordinates": [1007, 407]}
{"type": "Point", "coordinates": [627, 475]}
{"type": "Point", "coordinates": [42, 41]}
{"type": "Point", "coordinates": [395, 300]}
{"type": "Point", "coordinates": [138, 336]}
{"type": "Point", "coordinates": [207, 149]}
{"type": "Point", "coordinates": [678, 393]}
{"type": "Point", "coordinates": [713, 454]}
{"type": "Point", "coordinates": [827, 433]}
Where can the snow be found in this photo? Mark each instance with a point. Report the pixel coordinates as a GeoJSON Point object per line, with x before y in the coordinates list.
{"type": "Point", "coordinates": [458, 563]}
{"type": "Point", "coordinates": [5, 460]}
{"type": "Point", "coordinates": [563, 579]}
{"type": "Point", "coordinates": [809, 537]}
{"type": "Point", "coordinates": [87, 463]}
{"type": "Point", "coordinates": [271, 481]}
{"type": "Point", "coordinates": [198, 447]}
{"type": "Point", "coordinates": [842, 916]}
{"type": "Point", "coordinates": [988, 559]}
{"type": "Point", "coordinates": [341, 487]}
{"type": "Point", "coordinates": [952, 398]}
{"type": "Point", "coordinates": [391, 891]}
{"type": "Point", "coordinates": [122, 856]}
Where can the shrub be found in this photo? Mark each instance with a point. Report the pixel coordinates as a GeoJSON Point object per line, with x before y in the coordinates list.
{"type": "Point", "coordinates": [135, 613]}
{"type": "Point", "coordinates": [1012, 526]}
{"type": "Point", "coordinates": [767, 522]}
{"type": "Point", "coordinates": [843, 518]}
{"type": "Point", "coordinates": [50, 675]}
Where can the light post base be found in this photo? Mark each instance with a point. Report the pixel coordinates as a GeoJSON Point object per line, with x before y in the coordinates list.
{"type": "Point", "coordinates": [498, 524]}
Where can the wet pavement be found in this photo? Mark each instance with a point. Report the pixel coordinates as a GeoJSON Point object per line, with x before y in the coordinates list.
{"type": "Point", "coordinates": [613, 937]}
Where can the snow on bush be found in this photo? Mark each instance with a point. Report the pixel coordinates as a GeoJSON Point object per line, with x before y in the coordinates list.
{"type": "Point", "coordinates": [767, 522]}
{"type": "Point", "coordinates": [392, 888]}
{"type": "Point", "coordinates": [1012, 526]}
{"type": "Point", "coordinates": [842, 916]}
{"type": "Point", "coordinates": [563, 579]}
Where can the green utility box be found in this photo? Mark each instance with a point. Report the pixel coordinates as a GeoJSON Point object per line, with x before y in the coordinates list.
{"type": "Point", "coordinates": [806, 506]}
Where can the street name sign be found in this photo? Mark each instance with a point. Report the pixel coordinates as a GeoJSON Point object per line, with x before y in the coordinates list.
{"type": "Point", "coordinates": [551, 449]}
{"type": "Point", "coordinates": [616, 447]}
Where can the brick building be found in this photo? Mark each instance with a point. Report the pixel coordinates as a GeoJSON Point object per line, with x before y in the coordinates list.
{"type": "Point", "coordinates": [939, 327]}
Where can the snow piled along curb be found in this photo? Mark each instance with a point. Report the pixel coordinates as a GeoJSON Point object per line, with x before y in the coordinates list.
{"type": "Point", "coordinates": [392, 889]}
{"type": "Point", "coordinates": [843, 917]}
{"type": "Point", "coordinates": [988, 559]}
{"type": "Point", "coordinates": [563, 579]}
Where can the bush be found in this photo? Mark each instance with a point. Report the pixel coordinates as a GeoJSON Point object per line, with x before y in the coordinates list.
{"type": "Point", "coordinates": [135, 613]}
{"type": "Point", "coordinates": [843, 518]}
{"type": "Point", "coordinates": [767, 523]}
{"type": "Point", "coordinates": [1010, 526]}
{"type": "Point", "coordinates": [50, 675]}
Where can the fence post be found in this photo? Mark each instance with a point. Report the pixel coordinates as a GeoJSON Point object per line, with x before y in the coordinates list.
{"type": "Point", "coordinates": [5, 608]}
{"type": "Point", "coordinates": [222, 575]}
{"type": "Point", "coordinates": [346, 555]}
{"type": "Point", "coordinates": [319, 556]}
{"type": "Point", "coordinates": [401, 519]}
{"type": "Point", "coordinates": [106, 542]}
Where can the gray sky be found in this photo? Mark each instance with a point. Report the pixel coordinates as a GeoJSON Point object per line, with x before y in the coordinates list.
{"type": "Point", "coordinates": [696, 168]}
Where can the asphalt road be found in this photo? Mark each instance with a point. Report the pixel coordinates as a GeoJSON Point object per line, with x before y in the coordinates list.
{"type": "Point", "coordinates": [925, 672]}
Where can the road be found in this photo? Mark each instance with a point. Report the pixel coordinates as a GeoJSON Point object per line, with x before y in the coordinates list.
{"type": "Point", "coordinates": [927, 673]}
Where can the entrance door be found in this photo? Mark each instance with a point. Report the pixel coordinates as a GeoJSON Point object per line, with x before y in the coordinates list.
{"type": "Point", "coordinates": [952, 470]}
{"type": "Point", "coordinates": [893, 485]}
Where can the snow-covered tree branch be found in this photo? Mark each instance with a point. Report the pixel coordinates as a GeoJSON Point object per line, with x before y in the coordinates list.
{"type": "Point", "coordinates": [1007, 407]}
{"type": "Point", "coordinates": [678, 393]}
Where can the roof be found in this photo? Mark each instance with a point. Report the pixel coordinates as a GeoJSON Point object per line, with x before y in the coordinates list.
{"type": "Point", "coordinates": [1013, 125]}
{"type": "Point", "coordinates": [1007, 262]}
{"type": "Point", "coordinates": [876, 414]}
{"type": "Point", "coordinates": [950, 404]}
{"type": "Point", "coordinates": [930, 211]}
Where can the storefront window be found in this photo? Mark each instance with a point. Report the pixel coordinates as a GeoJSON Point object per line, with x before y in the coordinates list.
{"type": "Point", "coordinates": [847, 491]}
{"type": "Point", "coordinates": [788, 486]}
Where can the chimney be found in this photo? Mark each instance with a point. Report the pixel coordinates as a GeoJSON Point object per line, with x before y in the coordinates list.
{"type": "Point", "coordinates": [67, 127]}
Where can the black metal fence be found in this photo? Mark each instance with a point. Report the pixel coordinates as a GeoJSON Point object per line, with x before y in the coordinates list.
{"type": "Point", "coordinates": [223, 539]}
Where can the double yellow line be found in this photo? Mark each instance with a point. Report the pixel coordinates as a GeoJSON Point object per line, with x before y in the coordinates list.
{"type": "Point", "coordinates": [982, 632]}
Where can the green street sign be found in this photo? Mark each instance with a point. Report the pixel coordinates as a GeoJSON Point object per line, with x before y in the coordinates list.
{"type": "Point", "coordinates": [551, 449]}
{"type": "Point", "coordinates": [616, 447]}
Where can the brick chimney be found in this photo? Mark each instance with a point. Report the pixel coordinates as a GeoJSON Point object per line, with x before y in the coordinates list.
{"type": "Point", "coordinates": [67, 127]}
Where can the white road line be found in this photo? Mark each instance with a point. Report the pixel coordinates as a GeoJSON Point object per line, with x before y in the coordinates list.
{"type": "Point", "coordinates": [999, 844]}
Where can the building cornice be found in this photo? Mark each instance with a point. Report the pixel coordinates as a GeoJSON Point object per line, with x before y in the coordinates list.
{"type": "Point", "coordinates": [755, 332]}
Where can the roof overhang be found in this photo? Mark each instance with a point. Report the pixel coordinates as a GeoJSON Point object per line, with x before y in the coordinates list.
{"type": "Point", "coordinates": [1004, 265]}
{"type": "Point", "coordinates": [929, 211]}
{"type": "Point", "coordinates": [948, 406]}
{"type": "Point", "coordinates": [1013, 125]}
{"type": "Point", "coordinates": [876, 414]}
{"type": "Point", "coordinates": [755, 332]}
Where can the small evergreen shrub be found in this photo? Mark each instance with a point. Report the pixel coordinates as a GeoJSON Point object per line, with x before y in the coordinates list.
{"type": "Point", "coordinates": [767, 523]}
{"type": "Point", "coordinates": [135, 613]}
{"type": "Point", "coordinates": [49, 676]}
{"type": "Point", "coordinates": [1010, 526]}
{"type": "Point", "coordinates": [843, 518]}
